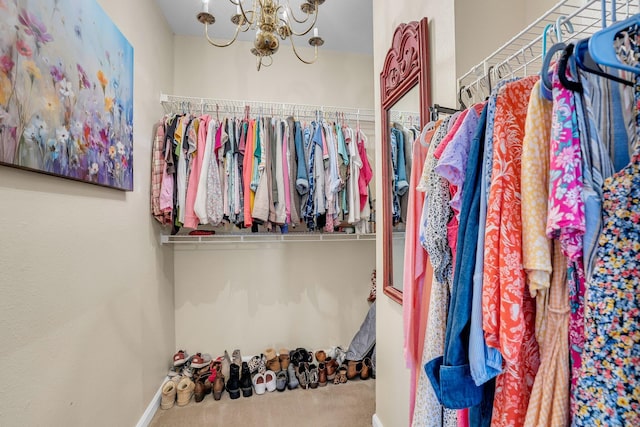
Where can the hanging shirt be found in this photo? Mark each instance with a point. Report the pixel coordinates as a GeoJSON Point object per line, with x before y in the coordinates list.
{"type": "Point", "coordinates": [203, 157]}
{"type": "Point", "coordinates": [536, 246]}
{"type": "Point", "coordinates": [549, 402]}
{"type": "Point", "coordinates": [565, 218]}
{"type": "Point", "coordinates": [428, 411]}
{"type": "Point", "coordinates": [508, 310]}
{"type": "Point", "coordinates": [450, 374]}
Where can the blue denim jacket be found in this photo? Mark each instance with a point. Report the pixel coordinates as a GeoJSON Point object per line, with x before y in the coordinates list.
{"type": "Point", "coordinates": [450, 375]}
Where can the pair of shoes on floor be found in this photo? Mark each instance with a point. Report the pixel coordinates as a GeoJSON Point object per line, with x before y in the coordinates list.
{"type": "Point", "coordinates": [360, 369]}
{"type": "Point", "coordinates": [341, 375]}
{"type": "Point", "coordinates": [239, 381]}
{"type": "Point", "coordinates": [264, 382]}
{"type": "Point", "coordinates": [308, 375]}
{"type": "Point", "coordinates": [300, 355]}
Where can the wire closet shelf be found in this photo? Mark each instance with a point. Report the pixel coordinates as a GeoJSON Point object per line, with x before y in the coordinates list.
{"type": "Point", "coordinates": [174, 104]}
{"type": "Point", "coordinates": [523, 54]}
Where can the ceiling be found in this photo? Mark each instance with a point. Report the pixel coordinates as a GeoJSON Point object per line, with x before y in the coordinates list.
{"type": "Point", "coordinates": [345, 25]}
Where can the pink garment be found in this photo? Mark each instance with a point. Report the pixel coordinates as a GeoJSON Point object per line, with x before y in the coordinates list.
{"type": "Point", "coordinates": [452, 226]}
{"type": "Point", "coordinates": [566, 212]}
{"type": "Point", "coordinates": [452, 132]}
{"type": "Point", "coordinates": [463, 417]}
{"type": "Point", "coordinates": [247, 147]}
{"type": "Point", "coordinates": [415, 264]}
{"type": "Point", "coordinates": [166, 189]}
{"type": "Point", "coordinates": [365, 172]}
{"type": "Point", "coordinates": [285, 171]}
{"type": "Point", "coordinates": [191, 220]}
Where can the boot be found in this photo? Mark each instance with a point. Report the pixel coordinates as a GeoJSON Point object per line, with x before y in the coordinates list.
{"type": "Point", "coordinates": [365, 373]}
{"type": "Point", "coordinates": [284, 359]}
{"type": "Point", "coordinates": [233, 384]}
{"type": "Point", "coordinates": [218, 385]}
{"type": "Point", "coordinates": [199, 390]}
{"type": "Point", "coordinates": [353, 369]}
{"type": "Point", "coordinates": [322, 374]}
{"type": "Point", "coordinates": [273, 363]}
{"type": "Point", "coordinates": [332, 367]}
{"type": "Point", "coordinates": [245, 381]}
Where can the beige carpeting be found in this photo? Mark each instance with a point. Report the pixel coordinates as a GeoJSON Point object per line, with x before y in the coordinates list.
{"type": "Point", "coordinates": [344, 405]}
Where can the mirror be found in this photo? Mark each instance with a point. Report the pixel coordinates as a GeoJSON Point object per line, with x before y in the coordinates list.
{"type": "Point", "coordinates": [404, 89]}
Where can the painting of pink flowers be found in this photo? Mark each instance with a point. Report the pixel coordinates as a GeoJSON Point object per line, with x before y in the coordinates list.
{"type": "Point", "coordinates": [66, 92]}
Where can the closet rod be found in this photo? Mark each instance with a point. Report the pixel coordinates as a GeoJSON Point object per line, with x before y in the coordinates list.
{"type": "Point", "coordinates": [210, 105]}
{"type": "Point", "coordinates": [444, 110]}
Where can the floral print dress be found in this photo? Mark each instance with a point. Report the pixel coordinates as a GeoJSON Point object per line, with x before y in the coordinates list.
{"type": "Point", "coordinates": [508, 309]}
{"type": "Point", "coordinates": [608, 386]}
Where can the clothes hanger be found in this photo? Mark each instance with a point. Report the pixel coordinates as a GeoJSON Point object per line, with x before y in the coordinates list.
{"type": "Point", "coordinates": [546, 30]}
{"type": "Point", "coordinates": [462, 104]}
{"type": "Point", "coordinates": [562, 71]}
{"type": "Point", "coordinates": [546, 62]}
{"type": "Point", "coordinates": [601, 45]}
{"type": "Point", "coordinates": [586, 63]}
{"type": "Point", "coordinates": [563, 21]}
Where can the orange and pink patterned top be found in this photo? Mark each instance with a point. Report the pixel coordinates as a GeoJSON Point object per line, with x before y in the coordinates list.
{"type": "Point", "coordinates": [508, 309]}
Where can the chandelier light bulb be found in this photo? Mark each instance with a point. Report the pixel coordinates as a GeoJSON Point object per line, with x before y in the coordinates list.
{"type": "Point", "coordinates": [315, 32]}
{"type": "Point", "coordinates": [205, 6]}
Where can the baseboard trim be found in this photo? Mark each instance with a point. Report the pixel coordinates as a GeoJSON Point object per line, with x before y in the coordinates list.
{"type": "Point", "coordinates": [375, 421]}
{"type": "Point", "coordinates": [151, 410]}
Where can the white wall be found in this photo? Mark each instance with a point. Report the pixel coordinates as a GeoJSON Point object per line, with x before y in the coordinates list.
{"type": "Point", "coordinates": [281, 294]}
{"type": "Point", "coordinates": [483, 26]}
{"type": "Point", "coordinates": [392, 384]}
{"type": "Point", "coordinates": [86, 306]}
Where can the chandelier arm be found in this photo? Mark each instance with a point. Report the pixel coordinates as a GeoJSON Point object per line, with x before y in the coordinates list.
{"type": "Point", "coordinates": [315, 57]}
{"type": "Point", "coordinates": [313, 24]}
{"type": "Point", "coordinates": [206, 34]}
{"type": "Point", "coordinates": [293, 15]}
{"type": "Point", "coordinates": [244, 14]}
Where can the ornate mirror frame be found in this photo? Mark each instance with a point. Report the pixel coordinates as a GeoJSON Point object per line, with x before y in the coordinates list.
{"type": "Point", "coordinates": [406, 65]}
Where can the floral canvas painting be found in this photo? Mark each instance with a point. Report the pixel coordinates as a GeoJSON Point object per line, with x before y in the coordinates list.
{"type": "Point", "coordinates": [66, 91]}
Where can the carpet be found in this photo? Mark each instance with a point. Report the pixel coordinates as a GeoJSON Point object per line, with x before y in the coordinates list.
{"type": "Point", "coordinates": [342, 405]}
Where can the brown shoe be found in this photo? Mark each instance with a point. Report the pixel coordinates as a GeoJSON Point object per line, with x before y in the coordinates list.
{"type": "Point", "coordinates": [353, 368]}
{"type": "Point", "coordinates": [322, 374]}
{"type": "Point", "coordinates": [218, 385]}
{"type": "Point", "coordinates": [332, 367]}
{"type": "Point", "coordinates": [365, 373]}
{"type": "Point", "coordinates": [273, 363]}
{"type": "Point", "coordinates": [284, 359]}
{"type": "Point", "coordinates": [341, 376]}
{"type": "Point", "coordinates": [321, 356]}
{"type": "Point", "coordinates": [199, 390]}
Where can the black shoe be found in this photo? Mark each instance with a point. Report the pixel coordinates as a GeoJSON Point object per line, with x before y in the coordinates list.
{"type": "Point", "coordinates": [245, 381]}
{"type": "Point", "coordinates": [233, 384]}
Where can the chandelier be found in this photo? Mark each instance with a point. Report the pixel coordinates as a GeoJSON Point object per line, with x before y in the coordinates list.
{"type": "Point", "coordinates": [270, 20]}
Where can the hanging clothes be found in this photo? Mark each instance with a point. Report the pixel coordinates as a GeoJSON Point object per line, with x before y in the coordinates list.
{"type": "Point", "coordinates": [509, 312]}
{"type": "Point", "coordinates": [415, 265]}
{"type": "Point", "coordinates": [608, 385]}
